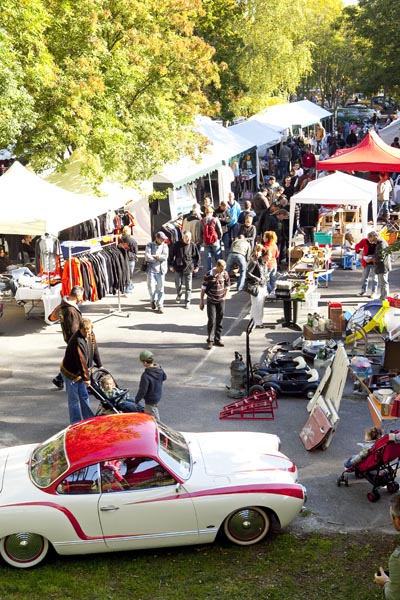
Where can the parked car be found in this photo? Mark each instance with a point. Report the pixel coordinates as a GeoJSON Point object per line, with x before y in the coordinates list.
{"type": "Point", "coordinates": [127, 482]}
{"type": "Point", "coordinates": [358, 113]}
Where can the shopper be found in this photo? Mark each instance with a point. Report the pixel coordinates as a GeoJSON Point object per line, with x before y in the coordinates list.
{"type": "Point", "coordinates": [129, 244]}
{"type": "Point", "coordinates": [156, 256]}
{"type": "Point", "coordinates": [211, 233]}
{"type": "Point", "coordinates": [151, 384]}
{"type": "Point", "coordinates": [367, 247]}
{"type": "Point", "coordinates": [308, 221]}
{"type": "Point", "coordinates": [215, 286]}
{"type": "Point", "coordinates": [70, 320]}
{"type": "Point", "coordinates": [382, 267]}
{"type": "Point", "coordinates": [80, 356]}
{"type": "Point", "coordinates": [257, 272]}
{"type": "Point", "coordinates": [239, 255]}
{"type": "Point", "coordinates": [184, 261]}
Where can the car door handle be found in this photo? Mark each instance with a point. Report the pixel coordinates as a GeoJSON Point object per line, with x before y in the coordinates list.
{"type": "Point", "coordinates": [108, 508]}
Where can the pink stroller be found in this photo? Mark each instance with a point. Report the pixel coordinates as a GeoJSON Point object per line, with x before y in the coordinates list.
{"type": "Point", "coordinates": [379, 467]}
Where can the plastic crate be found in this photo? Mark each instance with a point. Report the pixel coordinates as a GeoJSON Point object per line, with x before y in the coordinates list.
{"type": "Point", "coordinates": [324, 277]}
{"type": "Point", "coordinates": [349, 261]}
{"type": "Point", "coordinates": [323, 238]}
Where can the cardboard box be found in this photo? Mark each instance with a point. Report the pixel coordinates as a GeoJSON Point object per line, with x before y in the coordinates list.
{"type": "Point", "coordinates": [335, 314]}
{"type": "Point", "coordinates": [391, 361]}
{"type": "Point", "coordinates": [310, 334]}
{"type": "Point", "coordinates": [338, 239]}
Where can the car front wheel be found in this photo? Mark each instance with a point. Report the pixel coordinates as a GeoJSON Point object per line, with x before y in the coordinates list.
{"type": "Point", "coordinates": [23, 549]}
{"type": "Point", "coordinates": [247, 526]}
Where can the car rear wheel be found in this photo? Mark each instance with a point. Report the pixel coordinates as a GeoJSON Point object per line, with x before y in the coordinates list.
{"type": "Point", "coordinates": [23, 549]}
{"type": "Point", "coordinates": [247, 526]}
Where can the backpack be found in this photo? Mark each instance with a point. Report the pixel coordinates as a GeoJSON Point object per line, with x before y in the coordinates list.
{"type": "Point", "coordinates": [210, 235]}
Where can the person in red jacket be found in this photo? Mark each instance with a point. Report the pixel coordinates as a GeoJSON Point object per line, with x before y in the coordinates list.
{"type": "Point", "coordinates": [308, 161]}
{"type": "Point", "coordinates": [367, 247]}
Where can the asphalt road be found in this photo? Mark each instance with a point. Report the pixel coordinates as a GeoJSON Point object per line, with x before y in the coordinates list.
{"type": "Point", "coordinates": [32, 409]}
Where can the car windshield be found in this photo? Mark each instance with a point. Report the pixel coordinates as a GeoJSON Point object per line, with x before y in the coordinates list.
{"type": "Point", "coordinates": [49, 461]}
{"type": "Point", "coordinates": [174, 451]}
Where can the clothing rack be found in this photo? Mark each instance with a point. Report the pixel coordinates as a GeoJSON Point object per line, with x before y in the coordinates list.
{"type": "Point", "coordinates": [114, 242]}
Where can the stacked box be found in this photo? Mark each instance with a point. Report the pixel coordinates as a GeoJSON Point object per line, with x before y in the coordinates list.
{"type": "Point", "coordinates": [310, 334]}
{"type": "Point", "coordinates": [392, 356]}
{"type": "Point", "coordinates": [335, 314]}
{"type": "Point", "coordinates": [338, 239]}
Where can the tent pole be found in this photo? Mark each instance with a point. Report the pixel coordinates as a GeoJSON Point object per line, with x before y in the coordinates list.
{"type": "Point", "coordinates": [211, 192]}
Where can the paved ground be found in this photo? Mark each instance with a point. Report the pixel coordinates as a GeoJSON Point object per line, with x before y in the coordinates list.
{"type": "Point", "coordinates": [33, 409]}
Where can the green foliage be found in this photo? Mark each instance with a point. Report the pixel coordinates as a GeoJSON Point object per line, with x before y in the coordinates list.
{"type": "Point", "coordinates": [310, 567]}
{"type": "Point", "coordinates": [376, 22]}
{"type": "Point", "coordinates": [261, 48]}
{"type": "Point", "coordinates": [124, 78]}
{"type": "Point", "coordinates": [336, 56]}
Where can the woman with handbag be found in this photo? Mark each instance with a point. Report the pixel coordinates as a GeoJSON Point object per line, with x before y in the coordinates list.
{"type": "Point", "coordinates": [257, 273]}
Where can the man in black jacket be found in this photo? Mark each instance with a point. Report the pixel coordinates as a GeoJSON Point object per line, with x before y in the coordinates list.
{"type": "Point", "coordinates": [184, 262]}
{"type": "Point", "coordinates": [80, 356]}
{"type": "Point", "coordinates": [151, 383]}
{"type": "Point", "coordinates": [308, 221]}
{"type": "Point", "coordinates": [70, 318]}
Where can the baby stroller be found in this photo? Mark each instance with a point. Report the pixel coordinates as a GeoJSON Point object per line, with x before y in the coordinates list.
{"type": "Point", "coordinates": [118, 401]}
{"type": "Point", "coordinates": [379, 467]}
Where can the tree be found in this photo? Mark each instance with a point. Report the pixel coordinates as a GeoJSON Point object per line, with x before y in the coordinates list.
{"type": "Point", "coordinates": [126, 80]}
{"type": "Point", "coordinates": [336, 56]}
{"type": "Point", "coordinates": [376, 22]}
{"type": "Point", "coordinates": [260, 48]}
{"type": "Point", "coordinates": [25, 66]}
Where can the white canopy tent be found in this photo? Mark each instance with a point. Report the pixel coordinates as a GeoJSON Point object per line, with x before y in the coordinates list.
{"type": "Point", "coordinates": [224, 145]}
{"type": "Point", "coordinates": [132, 199]}
{"type": "Point", "coordinates": [338, 188]}
{"type": "Point", "coordinates": [261, 134]}
{"type": "Point", "coordinates": [391, 131]}
{"type": "Point", "coordinates": [287, 116]}
{"type": "Point", "coordinates": [31, 206]}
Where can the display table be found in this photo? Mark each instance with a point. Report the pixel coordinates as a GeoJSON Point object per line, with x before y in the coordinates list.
{"type": "Point", "coordinates": [39, 301]}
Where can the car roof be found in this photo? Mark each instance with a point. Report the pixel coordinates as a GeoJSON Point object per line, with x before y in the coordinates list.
{"type": "Point", "coordinates": [110, 437]}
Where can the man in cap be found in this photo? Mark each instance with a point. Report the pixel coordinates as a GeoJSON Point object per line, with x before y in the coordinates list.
{"type": "Point", "coordinates": [156, 256]}
{"type": "Point", "coordinates": [151, 383]}
{"type": "Point", "coordinates": [192, 222]}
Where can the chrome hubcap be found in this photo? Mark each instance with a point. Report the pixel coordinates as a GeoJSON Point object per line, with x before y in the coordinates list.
{"type": "Point", "coordinates": [246, 524]}
{"type": "Point", "coordinates": [23, 547]}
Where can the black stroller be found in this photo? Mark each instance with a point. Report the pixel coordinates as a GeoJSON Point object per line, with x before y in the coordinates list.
{"type": "Point", "coordinates": [116, 401]}
{"type": "Point", "coordinates": [379, 467]}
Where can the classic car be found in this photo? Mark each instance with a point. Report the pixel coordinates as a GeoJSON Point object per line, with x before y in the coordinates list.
{"type": "Point", "coordinates": [127, 482]}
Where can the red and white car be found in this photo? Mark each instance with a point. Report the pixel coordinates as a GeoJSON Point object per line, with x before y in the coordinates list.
{"type": "Point", "coordinates": [126, 482]}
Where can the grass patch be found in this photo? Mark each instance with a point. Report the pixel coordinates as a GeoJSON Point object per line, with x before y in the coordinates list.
{"type": "Point", "coordinates": [285, 567]}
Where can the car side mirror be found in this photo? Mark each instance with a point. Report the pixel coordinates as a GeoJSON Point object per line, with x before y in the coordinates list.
{"type": "Point", "coordinates": [178, 488]}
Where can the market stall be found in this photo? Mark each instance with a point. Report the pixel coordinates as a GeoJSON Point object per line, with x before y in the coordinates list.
{"type": "Point", "coordinates": [32, 206]}
{"type": "Point", "coordinates": [338, 189]}
{"type": "Point", "coordinates": [371, 154]}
